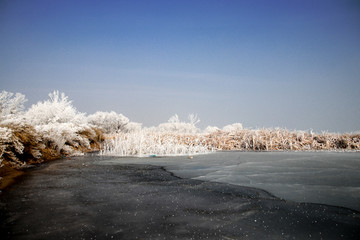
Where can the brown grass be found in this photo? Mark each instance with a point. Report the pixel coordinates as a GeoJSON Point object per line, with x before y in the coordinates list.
{"type": "Point", "coordinates": [264, 140]}
{"type": "Point", "coordinates": [95, 137]}
{"type": "Point", "coordinates": [24, 146]}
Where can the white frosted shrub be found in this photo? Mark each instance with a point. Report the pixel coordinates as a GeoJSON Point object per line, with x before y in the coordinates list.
{"type": "Point", "coordinates": [60, 124]}
{"type": "Point", "coordinates": [132, 127]}
{"type": "Point", "coordinates": [57, 109]}
{"type": "Point", "coordinates": [110, 122]}
{"type": "Point", "coordinates": [64, 135]}
{"type": "Point", "coordinates": [11, 106]}
{"type": "Point", "coordinates": [174, 125]}
{"type": "Point", "coordinates": [19, 143]}
{"type": "Point", "coordinates": [233, 127]}
{"type": "Point", "coordinates": [7, 141]}
{"type": "Point", "coordinates": [66, 138]}
{"type": "Point", "coordinates": [211, 129]}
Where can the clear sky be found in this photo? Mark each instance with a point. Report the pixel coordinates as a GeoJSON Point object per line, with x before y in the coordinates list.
{"type": "Point", "coordinates": [290, 63]}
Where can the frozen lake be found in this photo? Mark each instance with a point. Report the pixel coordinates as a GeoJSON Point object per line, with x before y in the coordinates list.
{"type": "Point", "coordinates": [331, 178]}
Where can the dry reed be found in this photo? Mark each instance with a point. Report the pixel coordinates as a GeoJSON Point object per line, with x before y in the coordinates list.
{"type": "Point", "coordinates": [281, 139]}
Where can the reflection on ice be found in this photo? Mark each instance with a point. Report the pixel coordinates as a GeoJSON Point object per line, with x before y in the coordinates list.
{"type": "Point", "coordinates": [318, 177]}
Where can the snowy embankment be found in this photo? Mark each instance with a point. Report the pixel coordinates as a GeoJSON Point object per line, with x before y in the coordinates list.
{"type": "Point", "coordinates": [54, 128]}
{"type": "Point", "coordinates": [48, 130]}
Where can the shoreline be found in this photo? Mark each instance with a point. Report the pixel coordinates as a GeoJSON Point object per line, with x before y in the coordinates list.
{"type": "Point", "coordinates": [9, 174]}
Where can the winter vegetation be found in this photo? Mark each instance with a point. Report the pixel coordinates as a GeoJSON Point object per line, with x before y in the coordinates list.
{"type": "Point", "coordinates": [111, 122]}
{"type": "Point", "coordinates": [48, 130]}
{"type": "Point", "coordinates": [184, 138]}
{"type": "Point", "coordinates": [168, 139]}
{"type": "Point", "coordinates": [268, 139]}
{"type": "Point", "coordinates": [152, 143]}
{"type": "Point", "coordinates": [54, 128]}
{"type": "Point", "coordinates": [174, 125]}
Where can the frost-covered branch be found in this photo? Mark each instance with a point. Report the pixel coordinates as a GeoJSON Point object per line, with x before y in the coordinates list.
{"type": "Point", "coordinates": [11, 105]}
{"type": "Point", "coordinates": [57, 109]}
{"type": "Point", "coordinates": [151, 142]}
{"type": "Point", "coordinates": [175, 125]}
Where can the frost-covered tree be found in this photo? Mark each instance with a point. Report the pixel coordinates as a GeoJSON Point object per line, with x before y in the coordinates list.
{"type": "Point", "coordinates": [19, 141]}
{"type": "Point", "coordinates": [193, 119]}
{"type": "Point", "coordinates": [132, 127]}
{"type": "Point", "coordinates": [211, 129]}
{"type": "Point", "coordinates": [61, 126]}
{"type": "Point", "coordinates": [176, 126]}
{"type": "Point", "coordinates": [11, 105]}
{"type": "Point", "coordinates": [110, 122]}
{"type": "Point", "coordinates": [57, 109]}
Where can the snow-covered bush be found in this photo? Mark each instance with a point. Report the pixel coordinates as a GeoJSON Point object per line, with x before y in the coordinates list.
{"type": "Point", "coordinates": [64, 137]}
{"type": "Point", "coordinates": [233, 127]}
{"type": "Point", "coordinates": [11, 106]}
{"type": "Point", "coordinates": [110, 122]}
{"type": "Point", "coordinates": [57, 109]}
{"type": "Point", "coordinates": [20, 144]}
{"type": "Point", "coordinates": [60, 125]}
{"type": "Point", "coordinates": [211, 129]}
{"type": "Point", "coordinates": [7, 141]}
{"type": "Point", "coordinates": [46, 131]}
{"type": "Point", "coordinates": [174, 125]}
{"type": "Point", "coordinates": [132, 127]}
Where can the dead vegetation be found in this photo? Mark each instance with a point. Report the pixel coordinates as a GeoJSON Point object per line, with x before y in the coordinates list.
{"type": "Point", "coordinates": [21, 144]}
{"type": "Point", "coordinates": [281, 139]}
{"type": "Point", "coordinates": [149, 142]}
{"type": "Point", "coordinates": [172, 143]}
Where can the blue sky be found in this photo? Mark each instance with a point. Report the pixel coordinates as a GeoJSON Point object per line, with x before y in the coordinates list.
{"type": "Point", "coordinates": [293, 63]}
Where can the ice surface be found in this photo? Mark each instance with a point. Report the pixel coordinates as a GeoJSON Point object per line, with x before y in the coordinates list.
{"type": "Point", "coordinates": [318, 177]}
